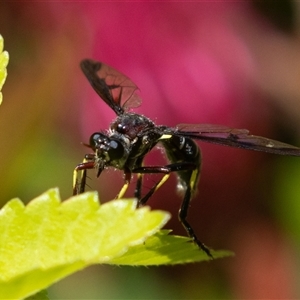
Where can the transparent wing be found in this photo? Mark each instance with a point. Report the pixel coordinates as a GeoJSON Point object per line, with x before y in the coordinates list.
{"type": "Point", "coordinates": [239, 138]}
{"type": "Point", "coordinates": [116, 89]}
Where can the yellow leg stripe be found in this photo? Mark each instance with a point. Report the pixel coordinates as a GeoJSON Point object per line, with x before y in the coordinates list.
{"type": "Point", "coordinates": [162, 181]}
{"type": "Point", "coordinates": [74, 178]}
{"type": "Point", "coordinates": [193, 180]}
{"type": "Point", "coordinates": [75, 174]}
{"type": "Point", "coordinates": [123, 190]}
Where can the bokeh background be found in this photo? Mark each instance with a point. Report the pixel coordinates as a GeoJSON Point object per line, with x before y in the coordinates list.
{"type": "Point", "coordinates": [230, 63]}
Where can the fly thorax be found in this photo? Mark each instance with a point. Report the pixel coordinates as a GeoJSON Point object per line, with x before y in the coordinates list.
{"type": "Point", "coordinates": [131, 125]}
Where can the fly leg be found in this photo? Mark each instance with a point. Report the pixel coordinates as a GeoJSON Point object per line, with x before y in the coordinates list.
{"type": "Point", "coordinates": [157, 170]}
{"type": "Point", "coordinates": [182, 215]}
{"type": "Point", "coordinates": [192, 170]}
{"type": "Point", "coordinates": [138, 187]}
{"type": "Point", "coordinates": [127, 178]}
{"type": "Point", "coordinates": [79, 182]}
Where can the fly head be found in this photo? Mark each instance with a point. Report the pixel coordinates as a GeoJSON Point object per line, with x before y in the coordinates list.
{"type": "Point", "coordinates": [109, 151]}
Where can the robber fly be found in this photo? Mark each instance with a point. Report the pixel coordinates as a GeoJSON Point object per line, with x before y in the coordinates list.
{"type": "Point", "coordinates": [132, 136]}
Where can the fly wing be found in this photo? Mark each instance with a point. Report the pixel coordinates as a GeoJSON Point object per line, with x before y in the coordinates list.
{"type": "Point", "coordinates": [239, 138]}
{"type": "Point", "coordinates": [115, 89]}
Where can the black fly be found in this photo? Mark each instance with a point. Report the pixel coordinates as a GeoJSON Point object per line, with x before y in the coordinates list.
{"type": "Point", "coordinates": [131, 136]}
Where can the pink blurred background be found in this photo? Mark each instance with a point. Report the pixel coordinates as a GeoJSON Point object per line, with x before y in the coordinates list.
{"type": "Point", "coordinates": [230, 63]}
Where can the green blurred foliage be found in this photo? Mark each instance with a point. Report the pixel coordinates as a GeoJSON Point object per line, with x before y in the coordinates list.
{"type": "Point", "coordinates": [282, 13]}
{"type": "Point", "coordinates": [287, 196]}
{"type": "Point", "coordinates": [39, 117]}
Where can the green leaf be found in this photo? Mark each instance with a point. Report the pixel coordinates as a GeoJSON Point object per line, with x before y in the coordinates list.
{"type": "Point", "coordinates": [42, 295]}
{"type": "Point", "coordinates": [47, 240]}
{"type": "Point", "coordinates": [3, 63]}
{"type": "Point", "coordinates": [163, 249]}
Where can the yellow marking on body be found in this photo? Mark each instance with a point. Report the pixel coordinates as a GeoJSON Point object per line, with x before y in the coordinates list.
{"type": "Point", "coordinates": [165, 137]}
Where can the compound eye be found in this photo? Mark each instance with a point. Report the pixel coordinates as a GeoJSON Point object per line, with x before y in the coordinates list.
{"type": "Point", "coordinates": [116, 150]}
{"type": "Point", "coordinates": [95, 139]}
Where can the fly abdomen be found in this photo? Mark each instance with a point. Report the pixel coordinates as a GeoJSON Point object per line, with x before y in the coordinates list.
{"type": "Point", "coordinates": [180, 149]}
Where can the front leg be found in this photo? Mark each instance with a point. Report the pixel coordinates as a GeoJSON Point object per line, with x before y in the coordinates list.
{"type": "Point", "coordinates": [127, 179]}
{"type": "Point", "coordinates": [79, 181]}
